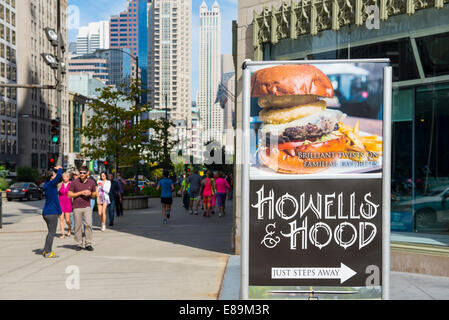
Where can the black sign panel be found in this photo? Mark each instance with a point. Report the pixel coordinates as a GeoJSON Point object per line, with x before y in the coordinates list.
{"type": "Point", "coordinates": [315, 232]}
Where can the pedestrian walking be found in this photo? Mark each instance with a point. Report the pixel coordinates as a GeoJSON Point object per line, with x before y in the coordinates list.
{"type": "Point", "coordinates": [207, 191]}
{"type": "Point", "coordinates": [167, 187]}
{"type": "Point", "coordinates": [92, 200]}
{"type": "Point", "coordinates": [81, 191]}
{"type": "Point", "coordinates": [113, 195]}
{"type": "Point", "coordinates": [185, 188]}
{"type": "Point", "coordinates": [195, 186]}
{"type": "Point", "coordinates": [66, 205]}
{"type": "Point", "coordinates": [230, 182]}
{"type": "Point", "coordinates": [221, 185]}
{"type": "Point", "coordinates": [52, 209]}
{"type": "Point", "coordinates": [104, 186]}
{"type": "Point", "coordinates": [119, 198]}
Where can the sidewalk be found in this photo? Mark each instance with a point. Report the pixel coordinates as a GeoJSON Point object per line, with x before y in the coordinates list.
{"type": "Point", "coordinates": [138, 258]}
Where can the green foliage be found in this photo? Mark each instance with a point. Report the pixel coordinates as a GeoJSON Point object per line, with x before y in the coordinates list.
{"type": "Point", "coordinates": [3, 182]}
{"type": "Point", "coordinates": [27, 174]}
{"type": "Point", "coordinates": [179, 166]}
{"type": "Point", "coordinates": [151, 192]}
{"type": "Point", "coordinates": [113, 132]}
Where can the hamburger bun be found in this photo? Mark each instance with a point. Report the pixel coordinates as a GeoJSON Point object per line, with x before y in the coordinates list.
{"type": "Point", "coordinates": [282, 80]}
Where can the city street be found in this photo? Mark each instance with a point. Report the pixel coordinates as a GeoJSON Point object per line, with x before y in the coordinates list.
{"type": "Point", "coordinates": [138, 258]}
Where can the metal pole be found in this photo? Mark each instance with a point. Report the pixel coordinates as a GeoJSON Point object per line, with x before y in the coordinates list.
{"type": "Point", "coordinates": [166, 134]}
{"type": "Point", "coordinates": [386, 183]}
{"type": "Point", "coordinates": [28, 86]}
{"type": "Point", "coordinates": [244, 280]}
{"type": "Point", "coordinates": [60, 160]}
{"type": "Point", "coordinates": [134, 121]}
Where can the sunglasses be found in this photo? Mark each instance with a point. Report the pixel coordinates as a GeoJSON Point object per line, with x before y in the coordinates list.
{"type": "Point", "coordinates": [83, 172]}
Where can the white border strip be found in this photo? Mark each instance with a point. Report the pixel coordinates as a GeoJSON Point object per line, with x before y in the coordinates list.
{"type": "Point", "coordinates": [360, 176]}
{"type": "Point", "coordinates": [386, 197]}
{"type": "Point", "coordinates": [246, 104]}
{"type": "Point", "coordinates": [277, 62]}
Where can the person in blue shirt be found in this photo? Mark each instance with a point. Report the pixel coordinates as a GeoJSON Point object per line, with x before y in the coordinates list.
{"type": "Point", "coordinates": [167, 187]}
{"type": "Point", "coordinates": [52, 208]}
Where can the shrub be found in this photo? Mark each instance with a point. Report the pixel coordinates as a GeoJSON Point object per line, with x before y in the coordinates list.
{"type": "Point", "coordinates": [3, 184]}
{"type": "Point", "coordinates": [151, 192]}
{"type": "Point", "coordinates": [27, 174]}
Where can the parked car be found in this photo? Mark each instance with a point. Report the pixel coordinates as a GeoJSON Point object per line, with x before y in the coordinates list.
{"type": "Point", "coordinates": [24, 190]}
{"type": "Point", "coordinates": [431, 210]}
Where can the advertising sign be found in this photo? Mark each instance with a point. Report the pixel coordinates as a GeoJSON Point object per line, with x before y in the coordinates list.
{"type": "Point", "coordinates": [316, 145]}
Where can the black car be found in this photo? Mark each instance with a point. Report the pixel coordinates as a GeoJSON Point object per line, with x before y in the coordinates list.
{"type": "Point", "coordinates": [24, 190]}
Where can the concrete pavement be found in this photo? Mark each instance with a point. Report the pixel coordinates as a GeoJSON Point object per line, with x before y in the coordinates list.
{"type": "Point", "coordinates": [138, 258]}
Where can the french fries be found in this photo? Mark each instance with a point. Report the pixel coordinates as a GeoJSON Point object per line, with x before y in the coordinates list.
{"type": "Point", "coordinates": [365, 147]}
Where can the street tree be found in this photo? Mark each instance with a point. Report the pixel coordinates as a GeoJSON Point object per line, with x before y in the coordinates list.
{"type": "Point", "coordinates": [116, 131]}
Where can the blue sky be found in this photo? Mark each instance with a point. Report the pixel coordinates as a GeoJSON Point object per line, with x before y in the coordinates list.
{"type": "Point", "coordinates": [96, 10]}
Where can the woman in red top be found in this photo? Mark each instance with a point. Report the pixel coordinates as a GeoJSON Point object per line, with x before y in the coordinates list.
{"type": "Point", "coordinates": [207, 191]}
{"type": "Point", "coordinates": [66, 205]}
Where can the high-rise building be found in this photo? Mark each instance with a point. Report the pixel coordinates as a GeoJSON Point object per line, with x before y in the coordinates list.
{"type": "Point", "coordinates": [85, 64]}
{"type": "Point", "coordinates": [170, 57]}
{"type": "Point", "coordinates": [196, 146]}
{"type": "Point", "coordinates": [169, 60]}
{"type": "Point", "coordinates": [8, 96]}
{"type": "Point", "coordinates": [129, 30]}
{"type": "Point", "coordinates": [210, 73]}
{"type": "Point", "coordinates": [94, 36]}
{"type": "Point", "coordinates": [112, 67]}
{"type": "Point", "coordinates": [36, 107]}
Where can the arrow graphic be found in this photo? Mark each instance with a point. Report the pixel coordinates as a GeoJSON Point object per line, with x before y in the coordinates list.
{"type": "Point", "coordinates": [343, 273]}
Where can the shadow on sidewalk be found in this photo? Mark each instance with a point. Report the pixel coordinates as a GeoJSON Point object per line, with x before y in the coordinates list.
{"type": "Point", "coordinates": [212, 234]}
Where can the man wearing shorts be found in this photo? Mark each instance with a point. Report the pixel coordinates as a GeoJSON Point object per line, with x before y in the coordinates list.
{"type": "Point", "coordinates": [167, 187]}
{"type": "Point", "coordinates": [195, 185]}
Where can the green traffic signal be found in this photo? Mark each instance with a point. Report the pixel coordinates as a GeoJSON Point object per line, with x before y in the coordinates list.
{"type": "Point", "coordinates": [55, 131]}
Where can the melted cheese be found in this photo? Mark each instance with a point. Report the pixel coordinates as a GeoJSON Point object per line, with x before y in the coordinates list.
{"type": "Point", "coordinates": [333, 116]}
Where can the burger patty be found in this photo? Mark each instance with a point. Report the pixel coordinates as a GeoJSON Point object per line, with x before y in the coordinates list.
{"type": "Point", "coordinates": [309, 131]}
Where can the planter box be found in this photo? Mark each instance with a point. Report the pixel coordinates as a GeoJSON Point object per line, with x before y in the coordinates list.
{"type": "Point", "coordinates": [135, 202]}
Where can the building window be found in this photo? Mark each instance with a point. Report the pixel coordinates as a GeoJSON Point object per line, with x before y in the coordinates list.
{"type": "Point", "coordinates": [434, 53]}
{"type": "Point", "coordinates": [34, 160]}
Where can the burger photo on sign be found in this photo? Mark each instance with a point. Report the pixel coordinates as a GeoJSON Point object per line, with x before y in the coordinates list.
{"type": "Point", "coordinates": [299, 134]}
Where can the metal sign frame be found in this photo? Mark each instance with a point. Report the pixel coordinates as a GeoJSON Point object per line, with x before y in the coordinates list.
{"type": "Point", "coordinates": [386, 165]}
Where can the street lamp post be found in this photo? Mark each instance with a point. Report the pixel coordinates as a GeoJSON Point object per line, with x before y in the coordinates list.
{"type": "Point", "coordinates": [166, 135]}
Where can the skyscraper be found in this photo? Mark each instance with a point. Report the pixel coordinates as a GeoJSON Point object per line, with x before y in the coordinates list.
{"type": "Point", "coordinates": [210, 73]}
{"type": "Point", "coordinates": [36, 107]}
{"type": "Point", "coordinates": [112, 67]}
{"type": "Point", "coordinates": [8, 96]}
{"type": "Point", "coordinates": [94, 36]}
{"type": "Point", "coordinates": [129, 30]}
{"type": "Point", "coordinates": [170, 57]}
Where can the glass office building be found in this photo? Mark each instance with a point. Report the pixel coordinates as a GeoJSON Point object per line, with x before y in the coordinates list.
{"type": "Point", "coordinates": [414, 35]}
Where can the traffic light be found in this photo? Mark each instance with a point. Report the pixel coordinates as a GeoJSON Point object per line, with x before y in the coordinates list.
{"type": "Point", "coordinates": [106, 165]}
{"type": "Point", "coordinates": [55, 131]}
{"type": "Point", "coordinates": [51, 161]}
